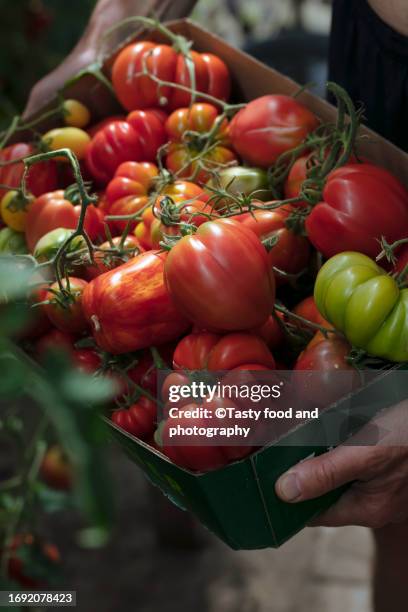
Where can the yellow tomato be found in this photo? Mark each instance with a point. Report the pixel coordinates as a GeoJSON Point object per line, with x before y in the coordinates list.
{"type": "Point", "coordinates": [14, 207]}
{"type": "Point", "coordinates": [76, 114]}
{"type": "Point", "coordinates": [67, 138]}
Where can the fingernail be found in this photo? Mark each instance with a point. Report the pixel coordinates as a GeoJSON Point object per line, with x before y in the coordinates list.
{"type": "Point", "coordinates": [288, 487]}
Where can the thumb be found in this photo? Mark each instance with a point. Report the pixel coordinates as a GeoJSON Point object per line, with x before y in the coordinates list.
{"type": "Point", "coordinates": [317, 476]}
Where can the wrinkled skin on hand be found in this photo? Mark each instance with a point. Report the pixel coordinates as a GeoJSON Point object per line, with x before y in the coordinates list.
{"type": "Point", "coordinates": [379, 473]}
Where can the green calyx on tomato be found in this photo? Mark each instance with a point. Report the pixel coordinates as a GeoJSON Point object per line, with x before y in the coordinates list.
{"type": "Point", "coordinates": [365, 303]}
{"type": "Point", "coordinates": [47, 247]}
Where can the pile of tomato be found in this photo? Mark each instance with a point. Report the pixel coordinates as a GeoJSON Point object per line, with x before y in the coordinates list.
{"type": "Point", "coordinates": [189, 254]}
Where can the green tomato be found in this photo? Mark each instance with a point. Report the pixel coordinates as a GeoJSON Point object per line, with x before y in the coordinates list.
{"type": "Point", "coordinates": [360, 299]}
{"type": "Point", "coordinates": [48, 246]}
{"type": "Point", "coordinates": [241, 180]}
{"type": "Point", "coordinates": [12, 242]}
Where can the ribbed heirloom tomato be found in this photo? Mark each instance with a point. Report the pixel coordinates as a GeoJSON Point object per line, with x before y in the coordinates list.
{"type": "Point", "coordinates": [363, 302]}
{"type": "Point", "coordinates": [205, 350]}
{"type": "Point", "coordinates": [269, 126]}
{"type": "Point", "coordinates": [131, 179]}
{"type": "Point", "coordinates": [139, 91]}
{"type": "Point", "coordinates": [291, 252]}
{"type": "Point", "coordinates": [187, 129]}
{"type": "Point", "coordinates": [130, 307]}
{"type": "Point", "coordinates": [186, 195]}
{"type": "Point", "coordinates": [136, 139]}
{"type": "Point", "coordinates": [361, 204]}
{"type": "Point", "coordinates": [220, 277]}
{"type": "Point", "coordinates": [52, 210]}
{"type": "Point", "coordinates": [139, 419]}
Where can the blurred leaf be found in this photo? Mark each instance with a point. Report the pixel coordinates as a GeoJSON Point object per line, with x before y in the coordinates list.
{"type": "Point", "coordinates": [13, 374]}
{"type": "Point", "coordinates": [82, 388]}
{"type": "Point", "coordinates": [80, 430]}
{"type": "Point", "coordinates": [52, 500]}
{"type": "Point", "coordinates": [13, 317]}
{"type": "Point", "coordinates": [93, 537]}
{"type": "Point", "coordinates": [15, 273]}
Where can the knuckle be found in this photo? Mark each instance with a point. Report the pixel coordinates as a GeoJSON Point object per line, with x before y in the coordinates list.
{"type": "Point", "coordinates": [325, 474]}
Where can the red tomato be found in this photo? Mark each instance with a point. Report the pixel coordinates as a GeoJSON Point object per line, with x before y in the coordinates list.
{"type": "Point", "coordinates": [131, 178]}
{"type": "Point", "coordinates": [52, 210]}
{"type": "Point", "coordinates": [199, 118]}
{"type": "Point", "coordinates": [352, 215]}
{"type": "Point", "coordinates": [42, 556]}
{"type": "Point", "coordinates": [130, 307]}
{"type": "Point", "coordinates": [402, 261]}
{"type": "Point", "coordinates": [139, 91]}
{"type": "Point", "coordinates": [41, 177]}
{"type": "Point", "coordinates": [149, 230]}
{"type": "Point", "coordinates": [204, 350]}
{"type": "Point", "coordinates": [129, 205]}
{"type": "Point", "coordinates": [220, 277]}
{"type": "Point", "coordinates": [139, 419]}
{"type": "Point", "coordinates": [199, 457]}
{"type": "Point", "coordinates": [187, 128]}
{"type": "Point", "coordinates": [101, 124]}
{"type": "Point", "coordinates": [291, 253]}
{"type": "Point", "coordinates": [269, 126]}
{"type": "Point", "coordinates": [86, 360]}
{"type": "Point", "coordinates": [181, 161]}
{"type": "Point", "coordinates": [327, 359]}
{"type": "Point", "coordinates": [65, 312]}
{"type": "Point", "coordinates": [37, 322]}
{"type": "Point", "coordinates": [307, 309]}
{"type": "Point", "coordinates": [55, 469]}
{"type": "Point", "coordinates": [271, 332]}
{"type": "Point", "coordinates": [54, 340]}
{"type": "Point", "coordinates": [105, 261]}
{"type": "Point", "coordinates": [149, 124]}
{"type": "Point", "coordinates": [120, 142]}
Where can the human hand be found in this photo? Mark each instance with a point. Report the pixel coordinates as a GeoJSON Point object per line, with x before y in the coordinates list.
{"type": "Point", "coordinates": [379, 493]}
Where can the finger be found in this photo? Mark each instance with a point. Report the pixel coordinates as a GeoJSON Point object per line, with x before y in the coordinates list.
{"type": "Point", "coordinates": [317, 476]}
{"type": "Point", "coordinates": [347, 511]}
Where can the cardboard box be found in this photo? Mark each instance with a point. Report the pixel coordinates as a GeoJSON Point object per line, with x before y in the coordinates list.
{"type": "Point", "coordinates": [238, 502]}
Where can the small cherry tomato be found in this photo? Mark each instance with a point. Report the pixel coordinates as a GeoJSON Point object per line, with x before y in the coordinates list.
{"type": "Point", "coordinates": [72, 138]}
{"type": "Point", "coordinates": [14, 208]}
{"type": "Point", "coordinates": [86, 360]}
{"type": "Point", "coordinates": [55, 469]}
{"type": "Point", "coordinates": [65, 308]}
{"type": "Point", "coordinates": [53, 340]}
{"type": "Point", "coordinates": [76, 114]}
{"type": "Point", "coordinates": [41, 177]}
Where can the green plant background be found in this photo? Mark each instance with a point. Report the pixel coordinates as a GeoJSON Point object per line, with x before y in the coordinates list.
{"type": "Point", "coordinates": [35, 36]}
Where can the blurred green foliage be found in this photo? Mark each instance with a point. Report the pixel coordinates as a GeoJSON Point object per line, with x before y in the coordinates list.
{"type": "Point", "coordinates": [35, 36]}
